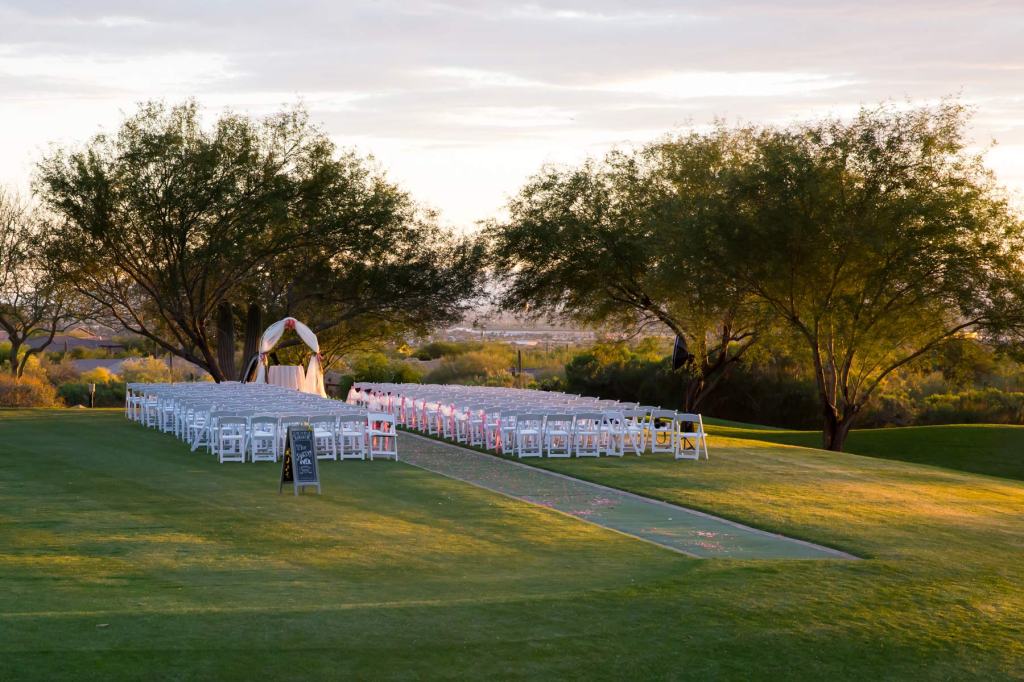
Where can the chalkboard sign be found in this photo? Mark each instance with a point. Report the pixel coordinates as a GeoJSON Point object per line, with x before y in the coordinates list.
{"type": "Point", "coordinates": [299, 464]}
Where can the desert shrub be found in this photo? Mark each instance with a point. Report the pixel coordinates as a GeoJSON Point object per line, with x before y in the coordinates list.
{"type": "Point", "coordinates": [134, 346]}
{"type": "Point", "coordinates": [445, 349]}
{"type": "Point", "coordinates": [985, 406]}
{"type": "Point", "coordinates": [889, 408]}
{"type": "Point", "coordinates": [554, 383]}
{"type": "Point", "coordinates": [502, 377]}
{"type": "Point", "coordinates": [59, 370]}
{"type": "Point", "coordinates": [617, 371]}
{"type": "Point", "coordinates": [97, 375]}
{"type": "Point", "coordinates": [378, 367]}
{"type": "Point", "coordinates": [475, 368]}
{"type": "Point", "coordinates": [406, 374]}
{"type": "Point", "coordinates": [145, 370]}
{"type": "Point", "coordinates": [29, 391]}
{"type": "Point", "coordinates": [84, 353]}
{"type": "Point", "coordinates": [108, 394]}
{"type": "Point", "coordinates": [188, 372]}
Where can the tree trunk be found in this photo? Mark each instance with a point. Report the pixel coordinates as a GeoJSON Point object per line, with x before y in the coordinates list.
{"type": "Point", "coordinates": [694, 394]}
{"type": "Point", "coordinates": [704, 384]}
{"type": "Point", "coordinates": [253, 330]}
{"type": "Point", "coordinates": [835, 430]}
{"type": "Point", "coordinates": [15, 347]}
{"type": "Point", "coordinates": [24, 363]}
{"type": "Point", "coordinates": [210, 364]}
{"type": "Point", "coordinates": [226, 341]}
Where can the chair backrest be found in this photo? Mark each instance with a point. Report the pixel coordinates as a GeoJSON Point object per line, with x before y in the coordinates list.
{"type": "Point", "coordinates": [691, 422]}
{"type": "Point", "coordinates": [378, 418]}
{"type": "Point", "coordinates": [662, 415]}
{"type": "Point", "coordinates": [529, 420]}
{"type": "Point", "coordinates": [615, 418]}
{"type": "Point", "coordinates": [559, 421]}
{"type": "Point", "coordinates": [264, 419]}
{"type": "Point", "coordinates": [231, 421]}
{"type": "Point", "coordinates": [589, 419]}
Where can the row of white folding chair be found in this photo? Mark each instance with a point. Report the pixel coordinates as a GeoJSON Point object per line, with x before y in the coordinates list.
{"type": "Point", "coordinates": [641, 427]}
{"type": "Point", "coordinates": [236, 437]}
{"type": "Point", "coordinates": [197, 421]}
{"type": "Point", "coordinates": [476, 425]}
{"type": "Point", "coordinates": [564, 434]}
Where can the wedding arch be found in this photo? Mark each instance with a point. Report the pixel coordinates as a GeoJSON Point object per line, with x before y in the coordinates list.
{"type": "Point", "coordinates": [313, 379]}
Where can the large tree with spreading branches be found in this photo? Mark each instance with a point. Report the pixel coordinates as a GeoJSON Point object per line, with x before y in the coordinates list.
{"type": "Point", "coordinates": [167, 220]}
{"type": "Point", "coordinates": [36, 301]}
{"type": "Point", "coordinates": [874, 241]}
{"type": "Point", "coordinates": [615, 242]}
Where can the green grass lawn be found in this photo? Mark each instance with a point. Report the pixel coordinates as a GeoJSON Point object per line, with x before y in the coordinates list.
{"type": "Point", "coordinates": [122, 555]}
{"type": "Point", "coordinates": [993, 449]}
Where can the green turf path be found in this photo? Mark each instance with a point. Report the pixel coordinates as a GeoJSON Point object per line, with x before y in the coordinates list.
{"type": "Point", "coordinates": [124, 556]}
{"type": "Point", "coordinates": [694, 533]}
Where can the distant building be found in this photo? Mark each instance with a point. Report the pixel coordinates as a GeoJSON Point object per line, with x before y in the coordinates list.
{"type": "Point", "coordinates": [182, 368]}
{"type": "Point", "coordinates": [66, 342]}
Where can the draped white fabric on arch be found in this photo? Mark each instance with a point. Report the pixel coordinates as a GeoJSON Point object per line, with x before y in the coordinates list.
{"type": "Point", "coordinates": [314, 380]}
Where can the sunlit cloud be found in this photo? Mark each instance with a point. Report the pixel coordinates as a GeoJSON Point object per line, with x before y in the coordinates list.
{"type": "Point", "coordinates": [512, 117]}
{"type": "Point", "coordinates": [687, 85]}
{"type": "Point", "coordinates": [119, 21]}
{"type": "Point", "coordinates": [533, 11]}
{"type": "Point", "coordinates": [481, 78]}
{"type": "Point", "coordinates": [140, 73]}
{"type": "Point", "coordinates": [461, 101]}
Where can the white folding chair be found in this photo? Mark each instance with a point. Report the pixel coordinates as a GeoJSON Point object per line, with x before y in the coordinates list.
{"type": "Point", "coordinates": [691, 437]}
{"type": "Point", "coordinates": [664, 431]}
{"type": "Point", "coordinates": [558, 435]}
{"type": "Point", "coordinates": [635, 430]}
{"type": "Point", "coordinates": [263, 439]}
{"type": "Point", "coordinates": [382, 436]}
{"type": "Point", "coordinates": [492, 428]}
{"type": "Point", "coordinates": [613, 434]}
{"type": "Point", "coordinates": [325, 436]}
{"type": "Point", "coordinates": [529, 435]}
{"type": "Point", "coordinates": [197, 428]}
{"type": "Point", "coordinates": [230, 439]}
{"type": "Point", "coordinates": [507, 432]}
{"type": "Point", "coordinates": [352, 436]}
{"type": "Point", "coordinates": [586, 434]}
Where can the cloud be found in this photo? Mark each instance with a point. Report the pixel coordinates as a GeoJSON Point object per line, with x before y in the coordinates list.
{"type": "Point", "coordinates": [174, 71]}
{"type": "Point", "coordinates": [462, 99]}
{"type": "Point", "coordinates": [119, 21]}
{"type": "Point", "coordinates": [694, 84]}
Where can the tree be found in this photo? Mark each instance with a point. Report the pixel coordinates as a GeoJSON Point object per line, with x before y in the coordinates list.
{"type": "Point", "coordinates": [617, 242]}
{"type": "Point", "coordinates": [34, 301]}
{"type": "Point", "coordinates": [875, 241]}
{"type": "Point", "coordinates": [406, 280]}
{"type": "Point", "coordinates": [167, 220]}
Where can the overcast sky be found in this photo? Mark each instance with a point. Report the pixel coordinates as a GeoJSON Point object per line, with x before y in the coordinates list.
{"type": "Point", "coordinates": [460, 101]}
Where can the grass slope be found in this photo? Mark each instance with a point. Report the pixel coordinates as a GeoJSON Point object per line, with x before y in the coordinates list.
{"type": "Point", "coordinates": [124, 556]}
{"type": "Point", "coordinates": [992, 449]}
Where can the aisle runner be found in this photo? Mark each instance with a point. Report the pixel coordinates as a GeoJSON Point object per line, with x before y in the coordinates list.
{"type": "Point", "coordinates": [684, 530]}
